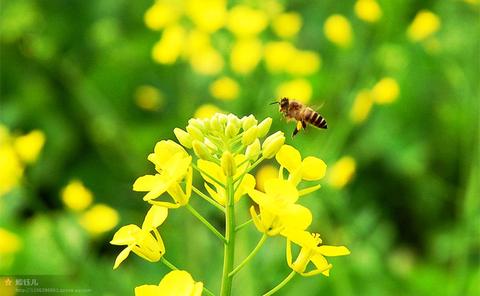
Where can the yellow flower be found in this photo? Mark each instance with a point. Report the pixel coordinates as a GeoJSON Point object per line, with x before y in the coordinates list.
{"type": "Point", "coordinates": [244, 21]}
{"type": "Point", "coordinates": [196, 41]}
{"type": "Point", "coordinates": [424, 25]}
{"type": "Point", "coordinates": [211, 170]}
{"type": "Point", "coordinates": [207, 15]}
{"type": "Point", "coordinates": [76, 196]}
{"type": "Point", "coordinates": [300, 89]}
{"type": "Point", "coordinates": [140, 240]}
{"type": "Point", "coordinates": [170, 46]}
{"type": "Point", "coordinates": [287, 24]}
{"type": "Point", "coordinates": [385, 91]}
{"type": "Point", "coordinates": [277, 55]}
{"type": "Point", "coordinates": [311, 250]}
{"type": "Point", "coordinates": [172, 164]}
{"type": "Point", "coordinates": [337, 29]}
{"type": "Point", "coordinates": [28, 146]}
{"type": "Point", "coordinates": [207, 61]}
{"type": "Point", "coordinates": [206, 111]}
{"type": "Point", "coordinates": [303, 62]}
{"type": "Point", "coordinates": [265, 173]}
{"type": "Point", "coordinates": [11, 243]}
{"type": "Point", "coordinates": [245, 55]}
{"type": "Point", "coordinates": [99, 219]}
{"type": "Point", "coordinates": [342, 172]}
{"type": "Point", "coordinates": [278, 210]}
{"type": "Point", "coordinates": [224, 88]}
{"type": "Point", "coordinates": [161, 14]}
{"type": "Point", "coordinates": [361, 106]}
{"type": "Point", "coordinates": [148, 98]}
{"type": "Point", "coordinates": [175, 283]}
{"type": "Point", "coordinates": [368, 10]}
{"type": "Point", "coordinates": [310, 169]}
{"type": "Point", "coordinates": [11, 169]}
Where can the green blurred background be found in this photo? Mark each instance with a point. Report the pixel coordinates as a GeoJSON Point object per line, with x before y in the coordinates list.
{"type": "Point", "coordinates": [410, 216]}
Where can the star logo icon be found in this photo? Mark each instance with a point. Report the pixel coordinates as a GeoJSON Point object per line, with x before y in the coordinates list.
{"type": "Point", "coordinates": [8, 282]}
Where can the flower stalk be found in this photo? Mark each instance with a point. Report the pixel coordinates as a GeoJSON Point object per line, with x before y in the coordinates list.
{"type": "Point", "coordinates": [229, 248]}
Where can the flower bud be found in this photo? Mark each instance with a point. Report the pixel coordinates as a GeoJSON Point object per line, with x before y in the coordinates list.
{"type": "Point", "coordinates": [249, 136]}
{"type": "Point", "coordinates": [183, 137]}
{"type": "Point", "coordinates": [228, 164]}
{"type": "Point", "coordinates": [272, 144]}
{"type": "Point", "coordinates": [215, 123]}
{"type": "Point", "coordinates": [195, 132]}
{"type": "Point", "coordinates": [198, 123]}
{"type": "Point", "coordinates": [232, 129]}
{"type": "Point", "coordinates": [248, 122]}
{"type": "Point", "coordinates": [201, 150]}
{"type": "Point", "coordinates": [264, 127]}
{"type": "Point", "coordinates": [253, 150]}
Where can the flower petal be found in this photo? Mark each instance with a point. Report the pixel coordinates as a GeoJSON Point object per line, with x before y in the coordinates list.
{"type": "Point", "coordinates": [146, 183]}
{"type": "Point", "coordinates": [313, 168]}
{"type": "Point", "coordinates": [147, 290]}
{"type": "Point", "coordinates": [177, 283]}
{"type": "Point", "coordinates": [282, 191]}
{"type": "Point", "coordinates": [121, 257]}
{"type": "Point", "coordinates": [247, 184]}
{"type": "Point", "coordinates": [163, 151]}
{"type": "Point", "coordinates": [258, 196]}
{"type": "Point", "coordinates": [321, 264]}
{"type": "Point", "coordinates": [212, 169]}
{"type": "Point", "coordinates": [296, 216]}
{"type": "Point", "coordinates": [155, 217]}
{"type": "Point", "coordinates": [289, 158]}
{"type": "Point", "coordinates": [333, 250]}
{"type": "Point", "coordinates": [125, 235]}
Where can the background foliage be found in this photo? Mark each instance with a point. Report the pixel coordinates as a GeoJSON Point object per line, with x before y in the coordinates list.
{"type": "Point", "coordinates": [410, 216]}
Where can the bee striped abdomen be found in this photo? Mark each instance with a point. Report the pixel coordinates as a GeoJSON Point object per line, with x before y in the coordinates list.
{"type": "Point", "coordinates": [315, 119]}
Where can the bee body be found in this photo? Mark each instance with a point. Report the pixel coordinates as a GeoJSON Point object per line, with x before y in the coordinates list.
{"type": "Point", "coordinates": [302, 114]}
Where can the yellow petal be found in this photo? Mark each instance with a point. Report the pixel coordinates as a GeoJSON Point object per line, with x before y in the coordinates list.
{"type": "Point", "coordinates": [125, 235]}
{"type": "Point", "coordinates": [321, 264]}
{"type": "Point", "coordinates": [333, 250]}
{"type": "Point", "coordinates": [148, 290]}
{"type": "Point", "coordinates": [289, 158]}
{"type": "Point", "coordinates": [300, 237]}
{"type": "Point", "coordinates": [281, 191]}
{"type": "Point", "coordinates": [220, 198]}
{"type": "Point", "coordinates": [121, 257]}
{"type": "Point", "coordinates": [146, 183]}
{"type": "Point", "coordinates": [296, 216]}
{"type": "Point", "coordinates": [258, 196]}
{"type": "Point", "coordinates": [177, 283]}
{"type": "Point", "coordinates": [313, 168]}
{"type": "Point", "coordinates": [247, 184]}
{"type": "Point", "coordinates": [212, 169]}
{"type": "Point", "coordinates": [164, 150]}
{"type": "Point", "coordinates": [155, 217]}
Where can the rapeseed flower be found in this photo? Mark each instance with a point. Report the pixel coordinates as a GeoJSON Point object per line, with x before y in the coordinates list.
{"type": "Point", "coordinates": [362, 105]}
{"type": "Point", "coordinates": [342, 172]}
{"type": "Point", "coordinates": [174, 283]}
{"type": "Point", "coordinates": [337, 29]}
{"type": "Point", "coordinates": [76, 196]}
{"type": "Point", "coordinates": [368, 10]}
{"type": "Point", "coordinates": [287, 24]}
{"type": "Point", "coordinates": [300, 89]}
{"type": "Point", "coordinates": [385, 91]}
{"type": "Point", "coordinates": [225, 89]}
{"type": "Point", "coordinates": [99, 219]}
{"type": "Point", "coordinates": [425, 24]}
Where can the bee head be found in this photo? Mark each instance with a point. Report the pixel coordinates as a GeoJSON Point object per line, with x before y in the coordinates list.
{"type": "Point", "coordinates": [284, 104]}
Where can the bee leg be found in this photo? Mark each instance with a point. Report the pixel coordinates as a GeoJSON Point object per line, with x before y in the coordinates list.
{"type": "Point", "coordinates": [304, 125]}
{"type": "Point", "coordinates": [298, 127]}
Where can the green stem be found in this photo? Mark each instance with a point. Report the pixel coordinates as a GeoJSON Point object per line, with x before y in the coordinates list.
{"type": "Point", "coordinates": [243, 225]}
{"type": "Point", "coordinates": [173, 267]}
{"type": "Point", "coordinates": [204, 221]}
{"type": "Point", "coordinates": [229, 247]}
{"type": "Point", "coordinates": [283, 283]}
{"type": "Point", "coordinates": [250, 168]}
{"type": "Point", "coordinates": [250, 256]}
{"type": "Point", "coordinates": [208, 199]}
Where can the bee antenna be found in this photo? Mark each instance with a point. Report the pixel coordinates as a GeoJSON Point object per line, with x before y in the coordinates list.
{"type": "Point", "coordinates": [273, 103]}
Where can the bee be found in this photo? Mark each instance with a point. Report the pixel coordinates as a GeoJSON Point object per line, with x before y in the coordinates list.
{"type": "Point", "coordinates": [302, 114]}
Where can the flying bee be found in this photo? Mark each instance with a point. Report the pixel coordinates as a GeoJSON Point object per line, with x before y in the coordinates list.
{"type": "Point", "coordinates": [302, 114]}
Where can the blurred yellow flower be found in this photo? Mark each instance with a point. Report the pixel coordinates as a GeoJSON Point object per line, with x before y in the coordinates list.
{"type": "Point", "coordinates": [368, 10]}
{"type": "Point", "coordinates": [140, 240]}
{"type": "Point", "coordinates": [342, 172]}
{"type": "Point", "coordinates": [28, 146]}
{"type": "Point", "coordinates": [11, 243]}
{"type": "Point", "coordinates": [206, 111]}
{"type": "Point", "coordinates": [76, 196]}
{"type": "Point", "coordinates": [170, 46]}
{"type": "Point", "coordinates": [337, 29]}
{"type": "Point", "coordinates": [244, 21]}
{"type": "Point", "coordinates": [424, 25]}
{"type": "Point", "coordinates": [311, 250]}
{"type": "Point", "coordinates": [299, 89]}
{"type": "Point", "coordinates": [172, 163]}
{"type": "Point", "coordinates": [265, 173]}
{"type": "Point", "coordinates": [207, 61]}
{"type": "Point", "coordinates": [303, 62]}
{"type": "Point", "coordinates": [161, 14]}
{"type": "Point", "coordinates": [207, 15]}
{"type": "Point", "coordinates": [11, 169]}
{"type": "Point", "coordinates": [224, 88]}
{"type": "Point", "coordinates": [287, 24]}
{"type": "Point", "coordinates": [361, 106]}
{"type": "Point", "coordinates": [175, 283]}
{"type": "Point", "coordinates": [149, 98]}
{"type": "Point", "coordinates": [245, 55]}
{"type": "Point", "coordinates": [278, 210]}
{"type": "Point", "coordinates": [196, 41]}
{"type": "Point", "coordinates": [99, 219]}
{"type": "Point", "coordinates": [385, 91]}
{"type": "Point", "coordinates": [277, 55]}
